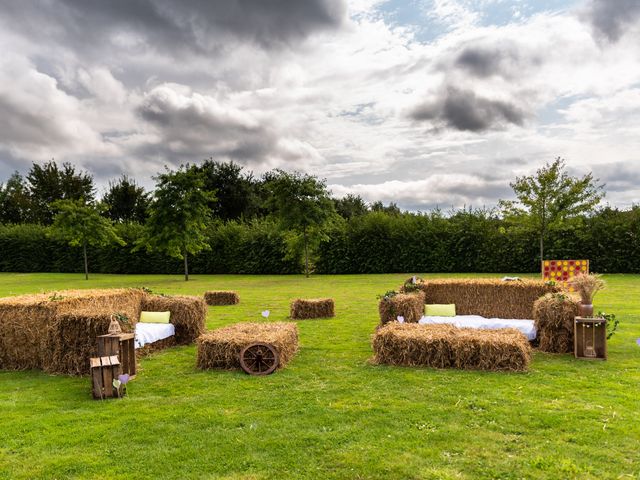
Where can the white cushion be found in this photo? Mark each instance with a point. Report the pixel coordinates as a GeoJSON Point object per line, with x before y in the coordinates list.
{"type": "Point", "coordinates": [476, 321]}
{"type": "Point", "coordinates": [152, 332]}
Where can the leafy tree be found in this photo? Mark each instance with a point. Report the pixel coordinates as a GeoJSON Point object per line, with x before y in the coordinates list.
{"type": "Point", "coordinates": [179, 215]}
{"type": "Point", "coordinates": [82, 225]}
{"type": "Point", "coordinates": [235, 191]}
{"type": "Point", "coordinates": [14, 200]}
{"type": "Point", "coordinates": [350, 206]}
{"type": "Point", "coordinates": [302, 203]}
{"type": "Point", "coordinates": [550, 198]}
{"type": "Point", "coordinates": [391, 209]}
{"type": "Point", "coordinates": [125, 201]}
{"type": "Point", "coordinates": [48, 183]}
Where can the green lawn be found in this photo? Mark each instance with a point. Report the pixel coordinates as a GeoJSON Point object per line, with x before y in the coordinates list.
{"type": "Point", "coordinates": [329, 414]}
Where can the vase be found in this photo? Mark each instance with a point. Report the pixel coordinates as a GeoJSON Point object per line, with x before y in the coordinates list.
{"type": "Point", "coordinates": [586, 310]}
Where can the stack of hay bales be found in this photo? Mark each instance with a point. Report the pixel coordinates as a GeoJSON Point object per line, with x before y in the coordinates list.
{"type": "Point", "coordinates": [188, 314]}
{"type": "Point", "coordinates": [221, 297]}
{"type": "Point", "coordinates": [56, 332]}
{"type": "Point", "coordinates": [446, 346]}
{"type": "Point", "coordinates": [312, 308]}
{"type": "Point", "coordinates": [554, 316]}
{"type": "Point", "coordinates": [409, 305]}
{"type": "Point", "coordinates": [221, 348]}
{"type": "Point", "coordinates": [490, 298]}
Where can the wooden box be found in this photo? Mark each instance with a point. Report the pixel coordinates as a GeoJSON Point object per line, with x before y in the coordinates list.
{"type": "Point", "coordinates": [103, 371]}
{"type": "Point", "coordinates": [122, 345]}
{"type": "Point", "coordinates": [590, 338]}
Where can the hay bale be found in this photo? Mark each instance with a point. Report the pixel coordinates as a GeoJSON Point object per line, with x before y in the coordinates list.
{"type": "Point", "coordinates": [490, 298]}
{"type": "Point", "coordinates": [221, 297]}
{"type": "Point", "coordinates": [221, 348]}
{"type": "Point", "coordinates": [188, 314]}
{"type": "Point", "coordinates": [554, 315]}
{"type": "Point", "coordinates": [156, 346]}
{"type": "Point", "coordinates": [446, 346]}
{"type": "Point", "coordinates": [28, 323]}
{"type": "Point", "coordinates": [312, 308]}
{"type": "Point", "coordinates": [410, 306]}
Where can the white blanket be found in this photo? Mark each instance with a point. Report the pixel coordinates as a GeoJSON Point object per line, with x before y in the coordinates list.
{"type": "Point", "coordinates": [152, 332]}
{"type": "Point", "coordinates": [476, 321]}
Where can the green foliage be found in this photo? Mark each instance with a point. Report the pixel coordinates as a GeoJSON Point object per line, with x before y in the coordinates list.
{"type": "Point", "coordinates": [551, 200]}
{"type": "Point", "coordinates": [49, 182]}
{"type": "Point", "coordinates": [125, 201]}
{"type": "Point", "coordinates": [350, 206]}
{"type": "Point", "coordinates": [612, 322]}
{"type": "Point", "coordinates": [389, 294]}
{"type": "Point", "coordinates": [14, 200]}
{"type": "Point", "coordinates": [179, 215]}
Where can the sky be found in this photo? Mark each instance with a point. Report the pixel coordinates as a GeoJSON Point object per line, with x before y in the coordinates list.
{"type": "Point", "coordinates": [426, 103]}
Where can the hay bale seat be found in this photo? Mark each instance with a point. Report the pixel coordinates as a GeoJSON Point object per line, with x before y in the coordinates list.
{"type": "Point", "coordinates": [554, 316]}
{"type": "Point", "coordinates": [221, 297]}
{"type": "Point", "coordinates": [221, 348]}
{"type": "Point", "coordinates": [312, 308]}
{"type": "Point", "coordinates": [188, 314]}
{"type": "Point", "coordinates": [489, 298]}
{"type": "Point", "coordinates": [52, 331]}
{"type": "Point", "coordinates": [407, 305]}
{"type": "Point", "coordinates": [445, 346]}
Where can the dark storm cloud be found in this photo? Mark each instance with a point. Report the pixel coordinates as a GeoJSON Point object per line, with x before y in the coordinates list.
{"type": "Point", "coordinates": [189, 25]}
{"type": "Point", "coordinates": [464, 110]}
{"type": "Point", "coordinates": [504, 60]}
{"type": "Point", "coordinates": [610, 18]}
{"type": "Point", "coordinates": [618, 177]}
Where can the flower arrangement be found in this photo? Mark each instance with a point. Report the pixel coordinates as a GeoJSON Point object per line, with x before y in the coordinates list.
{"type": "Point", "coordinates": [587, 285]}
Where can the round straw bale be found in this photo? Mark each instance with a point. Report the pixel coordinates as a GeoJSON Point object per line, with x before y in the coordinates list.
{"type": "Point", "coordinates": [312, 308]}
{"type": "Point", "coordinates": [221, 297]}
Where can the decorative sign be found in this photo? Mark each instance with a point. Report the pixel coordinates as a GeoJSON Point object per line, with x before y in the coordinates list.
{"type": "Point", "coordinates": [561, 271]}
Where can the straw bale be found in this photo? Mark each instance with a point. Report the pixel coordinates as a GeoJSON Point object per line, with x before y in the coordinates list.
{"type": "Point", "coordinates": [446, 346]}
{"type": "Point", "coordinates": [188, 314]}
{"type": "Point", "coordinates": [28, 323]}
{"type": "Point", "coordinates": [221, 297]}
{"type": "Point", "coordinates": [490, 298]}
{"type": "Point", "coordinates": [554, 316]}
{"type": "Point", "coordinates": [156, 346]}
{"type": "Point", "coordinates": [410, 306]}
{"type": "Point", "coordinates": [312, 308]}
{"type": "Point", "coordinates": [221, 348]}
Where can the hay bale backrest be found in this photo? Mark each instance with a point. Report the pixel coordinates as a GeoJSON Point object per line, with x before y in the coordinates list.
{"type": "Point", "coordinates": [490, 298]}
{"type": "Point", "coordinates": [188, 314]}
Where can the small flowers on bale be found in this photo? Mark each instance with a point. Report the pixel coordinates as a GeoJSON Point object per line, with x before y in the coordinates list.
{"type": "Point", "coordinates": [312, 308]}
{"type": "Point", "coordinates": [221, 297]}
{"type": "Point", "coordinates": [221, 348]}
{"type": "Point", "coordinates": [446, 346]}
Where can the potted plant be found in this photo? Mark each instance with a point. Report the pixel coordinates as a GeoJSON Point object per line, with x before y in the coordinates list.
{"type": "Point", "coordinates": [587, 285]}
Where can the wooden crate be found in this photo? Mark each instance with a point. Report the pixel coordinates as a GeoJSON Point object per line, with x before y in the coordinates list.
{"type": "Point", "coordinates": [122, 345]}
{"type": "Point", "coordinates": [103, 371]}
{"type": "Point", "coordinates": [590, 338]}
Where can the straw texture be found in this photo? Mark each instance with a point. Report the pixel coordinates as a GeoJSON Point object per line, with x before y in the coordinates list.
{"type": "Point", "coordinates": [554, 316]}
{"type": "Point", "coordinates": [312, 308]}
{"type": "Point", "coordinates": [188, 314]}
{"type": "Point", "coordinates": [221, 297]}
{"type": "Point", "coordinates": [410, 306]}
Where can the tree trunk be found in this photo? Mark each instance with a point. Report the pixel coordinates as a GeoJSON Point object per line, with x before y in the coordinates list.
{"type": "Point", "coordinates": [541, 247]}
{"type": "Point", "coordinates": [186, 267]}
{"type": "Point", "coordinates": [86, 263]}
{"type": "Point", "coordinates": [306, 253]}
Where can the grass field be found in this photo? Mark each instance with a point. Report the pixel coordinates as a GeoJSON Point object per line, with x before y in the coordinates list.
{"type": "Point", "coordinates": [329, 414]}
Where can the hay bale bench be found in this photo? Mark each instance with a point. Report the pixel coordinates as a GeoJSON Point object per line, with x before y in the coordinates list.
{"type": "Point", "coordinates": [312, 308]}
{"type": "Point", "coordinates": [410, 306]}
{"type": "Point", "coordinates": [57, 332]}
{"type": "Point", "coordinates": [221, 348]}
{"type": "Point", "coordinates": [554, 315]}
{"type": "Point", "coordinates": [445, 346]}
{"type": "Point", "coordinates": [221, 297]}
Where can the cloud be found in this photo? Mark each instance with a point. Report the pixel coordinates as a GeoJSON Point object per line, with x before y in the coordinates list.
{"type": "Point", "coordinates": [464, 110]}
{"type": "Point", "coordinates": [610, 18]}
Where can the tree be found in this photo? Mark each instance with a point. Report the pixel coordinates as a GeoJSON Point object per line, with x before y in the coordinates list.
{"type": "Point", "coordinates": [48, 183]}
{"type": "Point", "coordinates": [551, 197]}
{"type": "Point", "coordinates": [125, 201]}
{"type": "Point", "coordinates": [14, 200]}
{"type": "Point", "coordinates": [234, 191]}
{"type": "Point", "coordinates": [391, 209]}
{"type": "Point", "coordinates": [179, 215]}
{"type": "Point", "coordinates": [81, 225]}
{"type": "Point", "coordinates": [301, 202]}
{"type": "Point", "coordinates": [350, 206]}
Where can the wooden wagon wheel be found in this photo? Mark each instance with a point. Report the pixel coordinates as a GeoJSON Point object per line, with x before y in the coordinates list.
{"type": "Point", "coordinates": [259, 359]}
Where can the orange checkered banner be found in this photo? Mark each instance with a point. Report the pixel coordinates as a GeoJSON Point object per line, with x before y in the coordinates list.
{"type": "Point", "coordinates": [561, 271]}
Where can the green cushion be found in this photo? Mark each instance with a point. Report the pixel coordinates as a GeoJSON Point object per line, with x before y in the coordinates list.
{"type": "Point", "coordinates": [154, 317]}
{"type": "Point", "coordinates": [440, 310]}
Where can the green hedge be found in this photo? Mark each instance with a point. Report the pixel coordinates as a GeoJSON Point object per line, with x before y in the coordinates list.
{"type": "Point", "coordinates": [373, 243]}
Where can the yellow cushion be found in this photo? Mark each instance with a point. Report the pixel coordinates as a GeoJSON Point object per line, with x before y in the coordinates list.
{"type": "Point", "coordinates": [154, 317]}
{"type": "Point", "coordinates": [440, 310]}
